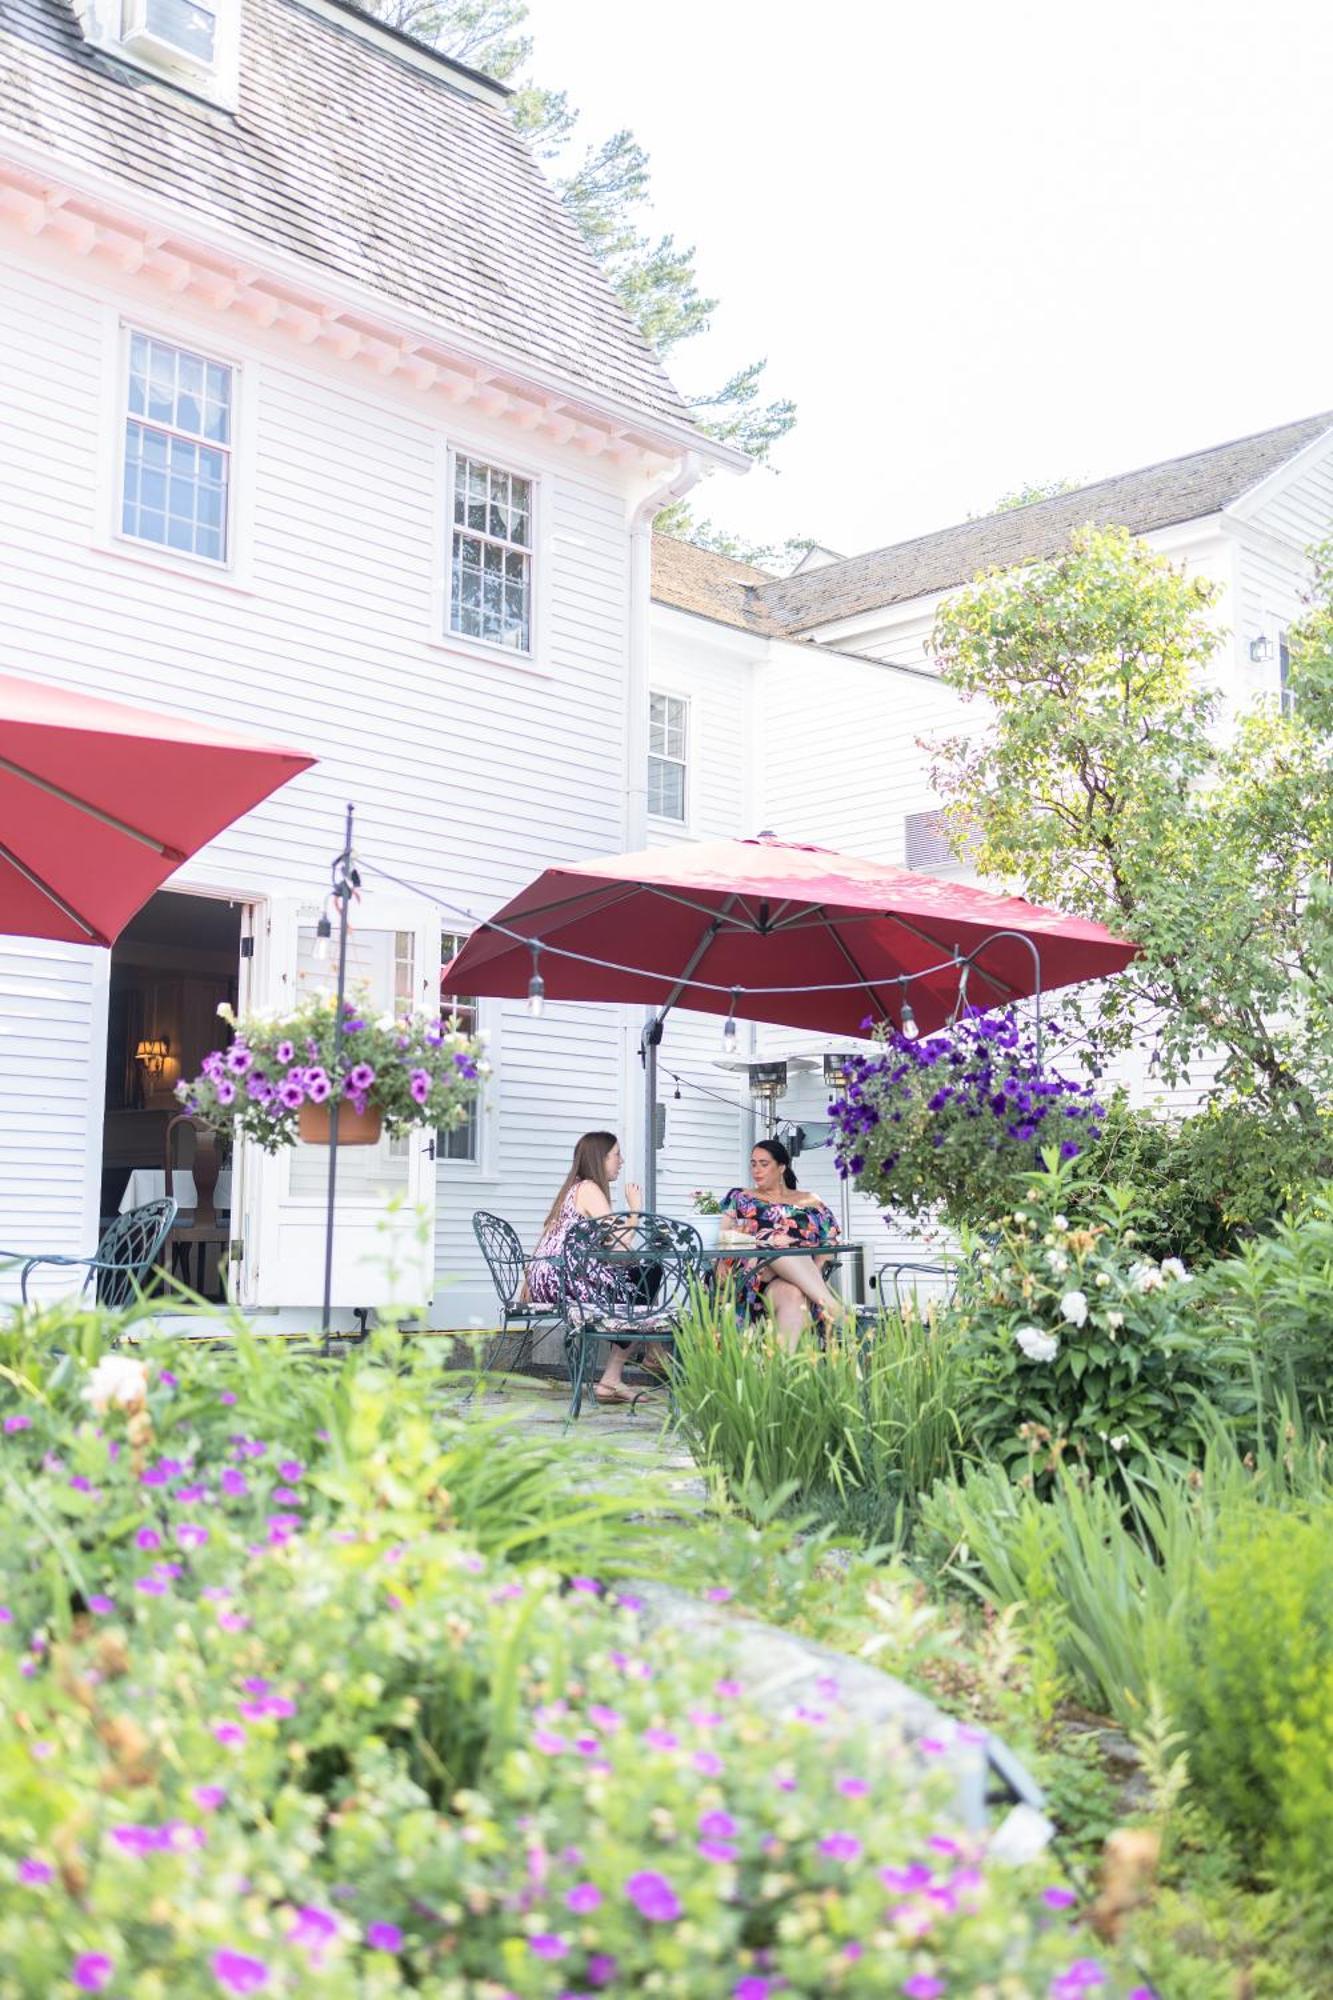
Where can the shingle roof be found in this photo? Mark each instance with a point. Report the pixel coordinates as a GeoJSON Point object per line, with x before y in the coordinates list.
{"type": "Point", "coordinates": [1180, 489]}
{"type": "Point", "coordinates": [714, 586]}
{"type": "Point", "coordinates": [347, 151]}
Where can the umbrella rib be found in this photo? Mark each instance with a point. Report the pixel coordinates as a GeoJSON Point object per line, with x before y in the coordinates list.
{"type": "Point", "coordinates": [685, 981]}
{"type": "Point", "coordinates": [723, 917]}
{"type": "Point", "coordinates": [566, 903]}
{"type": "Point", "coordinates": [93, 935]}
{"type": "Point", "coordinates": [841, 943]}
{"type": "Point", "coordinates": [161, 847]}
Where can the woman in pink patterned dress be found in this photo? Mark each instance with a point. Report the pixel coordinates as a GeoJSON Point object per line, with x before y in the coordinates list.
{"type": "Point", "coordinates": [586, 1190]}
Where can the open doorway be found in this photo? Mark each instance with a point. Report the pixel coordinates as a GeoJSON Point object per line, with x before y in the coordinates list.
{"type": "Point", "coordinates": [174, 964]}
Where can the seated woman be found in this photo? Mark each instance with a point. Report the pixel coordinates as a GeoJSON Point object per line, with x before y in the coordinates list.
{"type": "Point", "coordinates": [586, 1190]}
{"type": "Point", "coordinates": [775, 1210]}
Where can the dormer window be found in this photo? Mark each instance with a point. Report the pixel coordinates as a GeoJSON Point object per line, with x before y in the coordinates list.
{"type": "Point", "coordinates": [176, 33]}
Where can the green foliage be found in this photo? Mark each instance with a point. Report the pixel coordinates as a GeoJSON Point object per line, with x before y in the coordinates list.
{"type": "Point", "coordinates": [1079, 1345]}
{"type": "Point", "coordinates": [1032, 492]}
{"type": "Point", "coordinates": [277, 1720]}
{"type": "Point", "coordinates": [1098, 785]}
{"type": "Point", "coordinates": [855, 1428]}
{"type": "Point", "coordinates": [1255, 1691]}
{"type": "Point", "coordinates": [1278, 1295]}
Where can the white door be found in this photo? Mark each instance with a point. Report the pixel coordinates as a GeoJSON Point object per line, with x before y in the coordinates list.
{"type": "Point", "coordinates": [384, 1214]}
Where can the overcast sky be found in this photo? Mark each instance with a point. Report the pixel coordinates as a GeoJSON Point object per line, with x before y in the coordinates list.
{"type": "Point", "coordinates": [980, 244]}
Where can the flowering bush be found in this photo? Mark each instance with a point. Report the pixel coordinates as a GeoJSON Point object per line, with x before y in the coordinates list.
{"type": "Point", "coordinates": [1079, 1343]}
{"type": "Point", "coordinates": [416, 1068]}
{"type": "Point", "coordinates": [276, 1724]}
{"type": "Point", "coordinates": [704, 1202]}
{"type": "Point", "coordinates": [953, 1124]}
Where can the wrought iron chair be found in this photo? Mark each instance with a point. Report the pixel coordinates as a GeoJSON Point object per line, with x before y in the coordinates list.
{"type": "Point", "coordinates": [122, 1260]}
{"type": "Point", "coordinates": [888, 1278]}
{"type": "Point", "coordinates": [624, 1278]}
{"type": "Point", "coordinates": [509, 1267]}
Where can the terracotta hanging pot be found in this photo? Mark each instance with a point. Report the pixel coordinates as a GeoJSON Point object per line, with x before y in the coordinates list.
{"type": "Point", "coordinates": [355, 1128]}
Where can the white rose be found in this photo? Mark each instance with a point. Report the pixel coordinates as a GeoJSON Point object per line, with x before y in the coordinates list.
{"type": "Point", "coordinates": [1114, 1320]}
{"type": "Point", "coordinates": [117, 1379]}
{"type": "Point", "coordinates": [1059, 1222]}
{"type": "Point", "coordinates": [1146, 1278]}
{"type": "Point", "coordinates": [1119, 1442]}
{"type": "Point", "coordinates": [1058, 1262]}
{"type": "Point", "coordinates": [1173, 1268]}
{"type": "Point", "coordinates": [1037, 1346]}
{"type": "Point", "coordinates": [1074, 1307]}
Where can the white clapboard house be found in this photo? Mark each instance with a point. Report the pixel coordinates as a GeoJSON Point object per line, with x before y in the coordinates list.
{"type": "Point", "coordinates": [317, 418]}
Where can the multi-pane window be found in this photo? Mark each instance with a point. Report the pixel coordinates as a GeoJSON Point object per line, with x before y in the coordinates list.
{"type": "Point", "coordinates": [1286, 695]}
{"type": "Point", "coordinates": [179, 27]}
{"type": "Point", "coordinates": [668, 719]}
{"type": "Point", "coordinates": [490, 592]}
{"type": "Point", "coordinates": [178, 428]}
{"type": "Point", "coordinates": [462, 1142]}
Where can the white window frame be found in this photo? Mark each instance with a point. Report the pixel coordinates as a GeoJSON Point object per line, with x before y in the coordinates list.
{"type": "Point", "coordinates": [109, 536]}
{"type": "Point", "coordinates": [486, 456]}
{"type": "Point", "coordinates": [1286, 699]}
{"type": "Point", "coordinates": [106, 24]}
{"type": "Point", "coordinates": [654, 756]}
{"type": "Point", "coordinates": [475, 1168]}
{"type": "Point", "coordinates": [439, 635]}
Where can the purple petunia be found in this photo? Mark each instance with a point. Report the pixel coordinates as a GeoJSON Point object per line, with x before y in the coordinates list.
{"type": "Point", "coordinates": [238, 1972]}
{"type": "Point", "coordinates": [209, 1798]}
{"type": "Point", "coordinates": [359, 1078]}
{"type": "Point", "coordinates": [548, 1944]}
{"type": "Point", "coordinates": [384, 1937]}
{"type": "Point", "coordinates": [923, 1986]}
{"type": "Point", "coordinates": [34, 1874]}
{"type": "Point", "coordinates": [284, 1053]}
{"type": "Point", "coordinates": [1058, 1899]}
{"type": "Point", "coordinates": [92, 1972]}
{"type": "Point", "coordinates": [419, 1085]}
{"type": "Point", "coordinates": [583, 1898]}
{"type": "Point", "coordinates": [229, 1734]}
{"type": "Point", "coordinates": [653, 1897]}
{"type": "Point", "coordinates": [190, 1535]}
{"type": "Point", "coordinates": [21, 1422]}
{"type": "Point", "coordinates": [840, 1847]}
{"type": "Point", "coordinates": [313, 1928]}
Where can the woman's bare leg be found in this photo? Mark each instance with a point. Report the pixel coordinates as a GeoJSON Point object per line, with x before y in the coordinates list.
{"type": "Point", "coordinates": [805, 1275]}
{"type": "Point", "coordinates": [791, 1315]}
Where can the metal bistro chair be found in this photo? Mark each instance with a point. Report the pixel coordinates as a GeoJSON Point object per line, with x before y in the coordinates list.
{"type": "Point", "coordinates": [509, 1268]}
{"type": "Point", "coordinates": [624, 1278]}
{"type": "Point", "coordinates": [889, 1276]}
{"type": "Point", "coordinates": [122, 1260]}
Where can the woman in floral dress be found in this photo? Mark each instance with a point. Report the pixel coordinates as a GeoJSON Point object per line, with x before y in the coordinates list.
{"type": "Point", "coordinates": [775, 1210]}
{"type": "Point", "coordinates": [586, 1190]}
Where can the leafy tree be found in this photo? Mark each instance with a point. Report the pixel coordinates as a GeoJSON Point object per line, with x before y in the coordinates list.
{"type": "Point", "coordinates": [1031, 492]}
{"type": "Point", "coordinates": [1108, 782]}
{"type": "Point", "coordinates": [653, 276]}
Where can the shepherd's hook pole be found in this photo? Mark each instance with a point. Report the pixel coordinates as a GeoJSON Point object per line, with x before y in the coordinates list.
{"type": "Point", "coordinates": [344, 881]}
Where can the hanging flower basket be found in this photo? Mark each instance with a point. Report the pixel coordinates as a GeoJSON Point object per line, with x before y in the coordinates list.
{"type": "Point", "coordinates": [314, 1125]}
{"type": "Point", "coordinates": [278, 1079]}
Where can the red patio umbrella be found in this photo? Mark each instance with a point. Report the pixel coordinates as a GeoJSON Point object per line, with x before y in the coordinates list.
{"type": "Point", "coordinates": [100, 803]}
{"type": "Point", "coordinates": [769, 930]}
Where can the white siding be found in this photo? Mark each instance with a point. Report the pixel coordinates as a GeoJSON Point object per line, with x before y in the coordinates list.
{"type": "Point", "coordinates": [469, 772]}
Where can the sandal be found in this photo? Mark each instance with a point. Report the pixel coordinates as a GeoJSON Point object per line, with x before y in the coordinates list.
{"type": "Point", "coordinates": [608, 1393]}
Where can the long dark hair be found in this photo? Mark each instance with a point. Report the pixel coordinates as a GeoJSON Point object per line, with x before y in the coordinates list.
{"type": "Point", "coordinates": [591, 1154]}
{"type": "Point", "coordinates": [778, 1153]}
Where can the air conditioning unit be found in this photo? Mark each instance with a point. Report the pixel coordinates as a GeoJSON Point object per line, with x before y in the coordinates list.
{"type": "Point", "coordinates": [176, 34]}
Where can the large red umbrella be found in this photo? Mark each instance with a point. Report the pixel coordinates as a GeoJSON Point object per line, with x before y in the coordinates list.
{"type": "Point", "coordinates": [772, 931]}
{"type": "Point", "coordinates": [100, 803]}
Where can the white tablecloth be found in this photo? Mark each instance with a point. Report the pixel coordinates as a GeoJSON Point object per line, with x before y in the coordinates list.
{"type": "Point", "coordinates": [149, 1184]}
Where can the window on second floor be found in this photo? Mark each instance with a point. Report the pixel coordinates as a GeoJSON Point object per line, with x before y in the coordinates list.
{"type": "Point", "coordinates": [178, 440]}
{"type": "Point", "coordinates": [490, 586]}
{"type": "Point", "coordinates": [463, 1142]}
{"type": "Point", "coordinates": [172, 31]}
{"type": "Point", "coordinates": [668, 732]}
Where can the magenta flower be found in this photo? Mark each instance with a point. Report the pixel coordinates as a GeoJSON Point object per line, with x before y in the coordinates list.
{"type": "Point", "coordinates": [1058, 1899]}
{"type": "Point", "coordinates": [229, 1734]}
{"type": "Point", "coordinates": [905, 1881]}
{"type": "Point", "coordinates": [384, 1937]}
{"type": "Point", "coordinates": [239, 1059]}
{"type": "Point", "coordinates": [313, 1928]}
{"type": "Point", "coordinates": [653, 1897]}
{"type": "Point", "coordinates": [717, 1826]}
{"type": "Point", "coordinates": [708, 1762]}
{"type": "Point", "coordinates": [151, 1586]}
{"type": "Point", "coordinates": [238, 1972]}
{"type": "Point", "coordinates": [602, 1968]}
{"type": "Point", "coordinates": [317, 1086]}
{"type": "Point", "coordinates": [603, 1717]}
{"type": "Point", "coordinates": [234, 1484]}
{"type": "Point", "coordinates": [727, 1690]}
{"type": "Point", "coordinates": [34, 1874]}
{"type": "Point", "coordinates": [548, 1944]}
{"type": "Point", "coordinates": [92, 1972]}
{"type": "Point", "coordinates": [226, 1090]}
{"type": "Point", "coordinates": [148, 1538]}
{"type": "Point", "coordinates": [661, 1739]}
{"type": "Point", "coordinates": [588, 1586]}
{"type": "Point", "coordinates": [228, 1397]}
{"type": "Point", "coordinates": [291, 1469]}
{"type": "Point", "coordinates": [719, 1594]}
{"type": "Point", "coordinates": [208, 1798]}
{"type": "Point", "coordinates": [753, 1987]}
{"type": "Point", "coordinates": [583, 1898]}
{"type": "Point", "coordinates": [359, 1079]}
{"type": "Point", "coordinates": [17, 1423]}
{"type": "Point", "coordinates": [853, 1788]}
{"type": "Point", "coordinates": [190, 1535]}
{"type": "Point", "coordinates": [191, 1496]}
{"type": "Point", "coordinates": [290, 1094]}
{"type": "Point", "coordinates": [419, 1085]}
{"type": "Point", "coordinates": [923, 1986]}
{"type": "Point", "coordinates": [284, 1053]}
{"type": "Point", "coordinates": [840, 1847]}
{"type": "Point", "coordinates": [6, 1615]}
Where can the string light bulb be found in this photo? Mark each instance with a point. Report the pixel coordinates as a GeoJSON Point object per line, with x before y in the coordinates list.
{"type": "Point", "coordinates": [907, 1026]}
{"type": "Point", "coordinates": [323, 935]}
{"type": "Point", "coordinates": [536, 986]}
{"type": "Point", "coordinates": [729, 1035]}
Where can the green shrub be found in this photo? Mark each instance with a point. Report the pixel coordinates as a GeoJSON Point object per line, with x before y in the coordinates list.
{"type": "Point", "coordinates": [1254, 1691]}
{"type": "Point", "coordinates": [1276, 1295]}
{"type": "Point", "coordinates": [1078, 1345]}
{"type": "Point", "coordinates": [854, 1426]}
{"type": "Point", "coordinates": [276, 1724]}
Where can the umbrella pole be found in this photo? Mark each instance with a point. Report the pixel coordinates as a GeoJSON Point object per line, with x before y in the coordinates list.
{"type": "Point", "coordinates": [342, 889]}
{"type": "Point", "coordinates": [648, 1047]}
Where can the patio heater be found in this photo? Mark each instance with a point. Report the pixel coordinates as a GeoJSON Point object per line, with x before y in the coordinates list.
{"type": "Point", "coordinates": [837, 1068]}
{"type": "Point", "coordinates": [768, 1082]}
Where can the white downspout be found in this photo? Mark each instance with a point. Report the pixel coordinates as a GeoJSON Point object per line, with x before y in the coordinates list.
{"type": "Point", "coordinates": [638, 671]}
